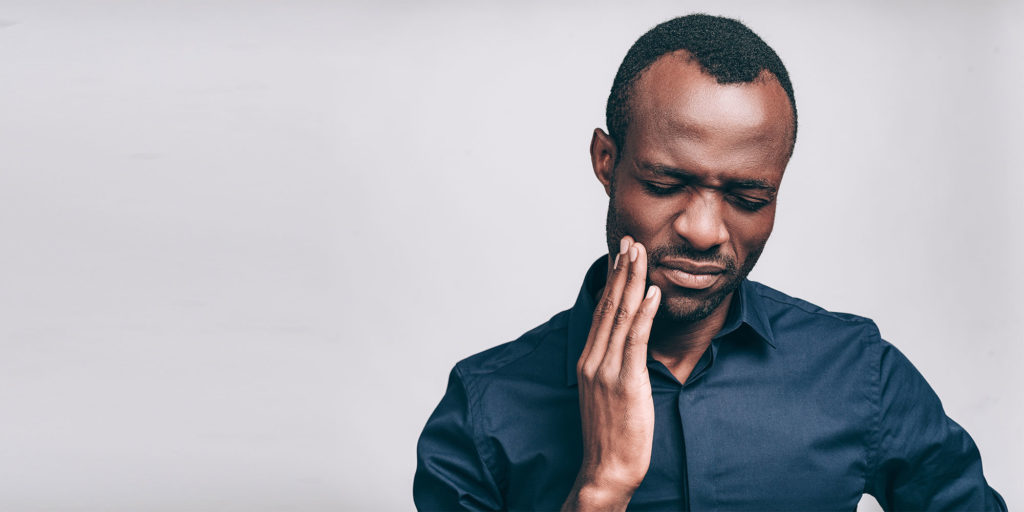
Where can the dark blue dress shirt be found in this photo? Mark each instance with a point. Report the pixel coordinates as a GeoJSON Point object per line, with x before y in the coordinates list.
{"type": "Point", "coordinates": [791, 408]}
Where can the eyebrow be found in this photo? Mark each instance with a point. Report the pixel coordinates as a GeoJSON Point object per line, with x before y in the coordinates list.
{"type": "Point", "coordinates": [683, 174]}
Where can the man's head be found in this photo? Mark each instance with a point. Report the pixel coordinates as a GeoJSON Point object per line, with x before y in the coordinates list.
{"type": "Point", "coordinates": [701, 123]}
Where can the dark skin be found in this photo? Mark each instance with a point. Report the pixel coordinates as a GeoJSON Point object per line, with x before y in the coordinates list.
{"type": "Point", "coordinates": [692, 204]}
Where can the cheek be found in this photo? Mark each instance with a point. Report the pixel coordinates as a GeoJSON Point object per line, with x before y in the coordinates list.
{"type": "Point", "coordinates": [644, 216]}
{"type": "Point", "coordinates": [751, 232]}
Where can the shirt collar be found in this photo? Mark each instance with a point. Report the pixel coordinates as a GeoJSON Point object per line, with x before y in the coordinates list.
{"type": "Point", "coordinates": [746, 309]}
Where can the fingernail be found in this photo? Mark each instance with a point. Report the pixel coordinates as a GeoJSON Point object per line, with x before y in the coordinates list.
{"type": "Point", "coordinates": [616, 264]}
{"type": "Point", "coordinates": [633, 253]}
{"type": "Point", "coordinates": [651, 291]}
{"type": "Point", "coordinates": [623, 245]}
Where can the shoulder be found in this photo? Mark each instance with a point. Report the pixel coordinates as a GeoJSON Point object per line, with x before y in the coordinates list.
{"type": "Point", "coordinates": [782, 302]}
{"type": "Point", "coordinates": [538, 349]}
{"type": "Point", "coordinates": [797, 320]}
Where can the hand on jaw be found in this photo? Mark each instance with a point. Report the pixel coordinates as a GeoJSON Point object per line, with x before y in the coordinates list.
{"type": "Point", "coordinates": [616, 404]}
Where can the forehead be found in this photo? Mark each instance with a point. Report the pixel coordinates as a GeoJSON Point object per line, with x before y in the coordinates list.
{"type": "Point", "coordinates": [681, 116]}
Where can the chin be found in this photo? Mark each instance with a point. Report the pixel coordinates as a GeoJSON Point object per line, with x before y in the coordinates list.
{"type": "Point", "coordinates": [685, 306]}
{"type": "Point", "coordinates": [685, 309]}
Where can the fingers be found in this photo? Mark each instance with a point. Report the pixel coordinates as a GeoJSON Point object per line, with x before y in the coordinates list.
{"type": "Point", "coordinates": [604, 312]}
{"type": "Point", "coordinates": [634, 353]}
{"type": "Point", "coordinates": [625, 313]}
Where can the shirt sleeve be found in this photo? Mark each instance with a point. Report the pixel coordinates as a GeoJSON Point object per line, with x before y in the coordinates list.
{"type": "Point", "coordinates": [921, 459]}
{"type": "Point", "coordinates": [450, 472]}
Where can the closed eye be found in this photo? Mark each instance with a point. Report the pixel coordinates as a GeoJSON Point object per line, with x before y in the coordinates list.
{"type": "Point", "coordinates": [662, 190]}
{"type": "Point", "coordinates": [744, 202]}
{"type": "Point", "coordinates": [748, 204]}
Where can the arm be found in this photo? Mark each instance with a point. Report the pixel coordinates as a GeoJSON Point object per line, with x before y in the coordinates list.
{"type": "Point", "coordinates": [921, 459]}
{"type": "Point", "coordinates": [450, 473]}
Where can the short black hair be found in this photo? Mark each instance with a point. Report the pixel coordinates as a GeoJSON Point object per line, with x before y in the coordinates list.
{"type": "Point", "coordinates": [724, 47]}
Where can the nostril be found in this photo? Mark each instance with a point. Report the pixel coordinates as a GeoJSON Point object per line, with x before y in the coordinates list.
{"type": "Point", "coordinates": [701, 225]}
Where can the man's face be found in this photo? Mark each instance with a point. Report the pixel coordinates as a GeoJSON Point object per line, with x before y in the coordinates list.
{"type": "Point", "coordinates": [697, 179]}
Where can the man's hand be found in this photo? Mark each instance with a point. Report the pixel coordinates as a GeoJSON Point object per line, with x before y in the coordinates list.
{"type": "Point", "coordinates": [616, 404]}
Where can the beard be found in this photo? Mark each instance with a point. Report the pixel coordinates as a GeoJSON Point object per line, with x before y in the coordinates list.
{"type": "Point", "coordinates": [680, 305]}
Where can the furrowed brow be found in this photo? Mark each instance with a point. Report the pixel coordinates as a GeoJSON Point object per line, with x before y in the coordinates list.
{"type": "Point", "coordinates": [671, 172]}
{"type": "Point", "coordinates": [753, 184]}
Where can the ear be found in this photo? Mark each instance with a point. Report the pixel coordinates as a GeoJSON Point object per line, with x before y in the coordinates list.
{"type": "Point", "coordinates": [602, 157]}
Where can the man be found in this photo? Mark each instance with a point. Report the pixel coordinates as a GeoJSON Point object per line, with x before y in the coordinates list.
{"type": "Point", "coordinates": [675, 383]}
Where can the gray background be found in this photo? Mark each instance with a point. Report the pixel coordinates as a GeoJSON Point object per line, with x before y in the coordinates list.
{"type": "Point", "coordinates": [242, 243]}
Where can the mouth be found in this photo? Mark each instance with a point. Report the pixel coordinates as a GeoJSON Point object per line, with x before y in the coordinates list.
{"type": "Point", "coordinates": [692, 275]}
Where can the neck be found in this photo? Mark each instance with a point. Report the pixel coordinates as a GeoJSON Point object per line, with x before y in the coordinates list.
{"type": "Point", "coordinates": [679, 345]}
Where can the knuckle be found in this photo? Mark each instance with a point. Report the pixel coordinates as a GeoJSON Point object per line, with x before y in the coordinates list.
{"type": "Point", "coordinates": [645, 310]}
{"type": "Point", "coordinates": [608, 377]}
{"type": "Point", "coordinates": [586, 371]}
{"type": "Point", "coordinates": [634, 273]}
{"type": "Point", "coordinates": [622, 315]}
{"type": "Point", "coordinates": [581, 368]}
{"type": "Point", "coordinates": [606, 306]}
{"type": "Point", "coordinates": [636, 333]}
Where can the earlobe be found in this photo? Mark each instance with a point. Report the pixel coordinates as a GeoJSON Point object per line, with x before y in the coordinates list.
{"type": "Point", "coordinates": [602, 158]}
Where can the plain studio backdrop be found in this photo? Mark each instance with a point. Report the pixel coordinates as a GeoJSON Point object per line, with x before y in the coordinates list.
{"type": "Point", "coordinates": [243, 243]}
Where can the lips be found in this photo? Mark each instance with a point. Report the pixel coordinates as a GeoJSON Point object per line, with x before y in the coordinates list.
{"type": "Point", "coordinates": [689, 274]}
{"type": "Point", "coordinates": [692, 267]}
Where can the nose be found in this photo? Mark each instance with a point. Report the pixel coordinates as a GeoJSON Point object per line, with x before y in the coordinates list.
{"type": "Point", "coordinates": [701, 223]}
